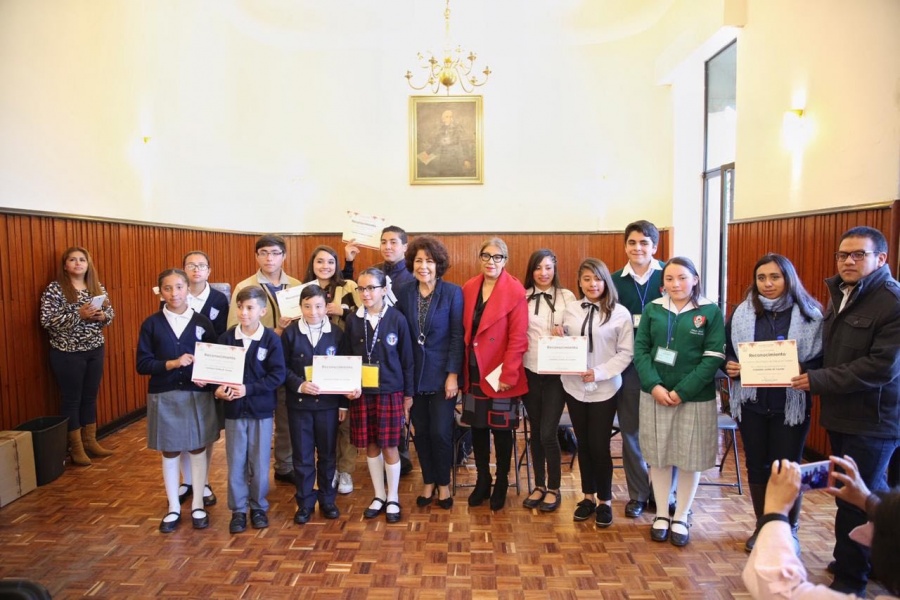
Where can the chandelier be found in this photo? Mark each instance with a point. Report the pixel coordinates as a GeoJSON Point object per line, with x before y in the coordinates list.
{"type": "Point", "coordinates": [455, 66]}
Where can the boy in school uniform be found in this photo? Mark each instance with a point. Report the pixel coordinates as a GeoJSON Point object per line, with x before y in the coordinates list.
{"type": "Point", "coordinates": [313, 417]}
{"type": "Point", "coordinates": [249, 410]}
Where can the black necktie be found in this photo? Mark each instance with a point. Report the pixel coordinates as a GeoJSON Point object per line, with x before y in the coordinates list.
{"type": "Point", "coordinates": [537, 305]}
{"type": "Point", "coordinates": [588, 323]}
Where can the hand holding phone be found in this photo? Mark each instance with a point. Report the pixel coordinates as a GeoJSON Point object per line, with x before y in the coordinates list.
{"type": "Point", "coordinates": [815, 475]}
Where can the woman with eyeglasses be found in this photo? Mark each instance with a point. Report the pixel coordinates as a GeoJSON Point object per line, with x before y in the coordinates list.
{"type": "Point", "coordinates": [545, 400]}
{"type": "Point", "coordinates": [495, 317]}
{"type": "Point", "coordinates": [774, 422]}
{"type": "Point", "coordinates": [433, 309]}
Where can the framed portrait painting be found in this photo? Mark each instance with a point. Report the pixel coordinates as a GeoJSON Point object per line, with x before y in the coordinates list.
{"type": "Point", "coordinates": [446, 144]}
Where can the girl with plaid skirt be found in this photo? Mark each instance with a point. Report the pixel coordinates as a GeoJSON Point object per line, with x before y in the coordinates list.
{"type": "Point", "coordinates": [380, 335]}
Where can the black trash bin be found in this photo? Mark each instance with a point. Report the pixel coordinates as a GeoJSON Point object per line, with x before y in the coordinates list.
{"type": "Point", "coordinates": [49, 435]}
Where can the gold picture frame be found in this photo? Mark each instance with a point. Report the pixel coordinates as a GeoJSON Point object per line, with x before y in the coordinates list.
{"type": "Point", "coordinates": [446, 142]}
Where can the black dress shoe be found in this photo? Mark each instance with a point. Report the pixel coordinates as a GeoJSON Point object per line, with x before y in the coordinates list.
{"type": "Point", "coordinates": [680, 539]}
{"type": "Point", "coordinates": [302, 516]}
{"type": "Point", "coordinates": [423, 500]}
{"type": "Point", "coordinates": [583, 510]}
{"type": "Point", "coordinates": [660, 535]}
{"type": "Point", "coordinates": [259, 519]}
{"type": "Point", "coordinates": [371, 513]}
{"type": "Point", "coordinates": [238, 522]}
{"type": "Point", "coordinates": [200, 518]}
{"type": "Point", "coordinates": [446, 503]}
{"type": "Point", "coordinates": [285, 477]}
{"type": "Point", "coordinates": [211, 499]}
{"type": "Point", "coordinates": [530, 502]}
{"type": "Point", "coordinates": [635, 508]}
{"type": "Point", "coordinates": [330, 511]}
{"type": "Point", "coordinates": [187, 493]}
{"type": "Point", "coordinates": [169, 526]}
{"type": "Point", "coordinates": [551, 506]}
{"type": "Point", "coordinates": [392, 517]}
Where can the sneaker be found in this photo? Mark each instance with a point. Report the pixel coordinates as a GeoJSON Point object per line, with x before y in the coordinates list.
{"type": "Point", "coordinates": [604, 515]}
{"type": "Point", "coordinates": [344, 483]}
{"type": "Point", "coordinates": [584, 509]}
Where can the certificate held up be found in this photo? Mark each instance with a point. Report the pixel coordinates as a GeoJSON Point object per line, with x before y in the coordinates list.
{"type": "Point", "coordinates": [218, 363]}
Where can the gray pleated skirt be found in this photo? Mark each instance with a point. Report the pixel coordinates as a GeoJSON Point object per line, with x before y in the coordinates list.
{"type": "Point", "coordinates": [685, 435]}
{"type": "Point", "coordinates": [179, 421]}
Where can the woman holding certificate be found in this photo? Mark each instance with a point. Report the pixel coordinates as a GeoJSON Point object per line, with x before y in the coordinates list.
{"type": "Point", "coordinates": [433, 309]}
{"type": "Point", "coordinates": [545, 398]}
{"type": "Point", "coordinates": [495, 316]}
{"type": "Point", "coordinates": [773, 421]}
{"type": "Point", "coordinates": [679, 346]}
{"type": "Point", "coordinates": [74, 311]}
{"type": "Point", "coordinates": [592, 395]}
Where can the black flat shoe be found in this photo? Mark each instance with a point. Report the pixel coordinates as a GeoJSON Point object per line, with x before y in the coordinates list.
{"type": "Point", "coordinates": [211, 499]}
{"type": "Point", "coordinates": [238, 522]}
{"type": "Point", "coordinates": [392, 517]}
{"type": "Point", "coordinates": [481, 492]}
{"type": "Point", "coordinates": [660, 535]}
{"type": "Point", "coordinates": [330, 511]}
{"type": "Point", "coordinates": [169, 526]}
{"type": "Point", "coordinates": [551, 506]}
{"type": "Point", "coordinates": [184, 495]}
{"type": "Point", "coordinates": [530, 502]}
{"type": "Point", "coordinates": [423, 501]}
{"type": "Point", "coordinates": [202, 521]}
{"type": "Point", "coordinates": [302, 516]}
{"type": "Point", "coordinates": [371, 513]}
{"type": "Point", "coordinates": [680, 539]}
{"type": "Point", "coordinates": [259, 519]}
{"type": "Point", "coordinates": [446, 503]}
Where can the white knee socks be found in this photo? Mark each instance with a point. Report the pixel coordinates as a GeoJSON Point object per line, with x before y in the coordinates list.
{"type": "Point", "coordinates": [684, 494]}
{"type": "Point", "coordinates": [198, 474]}
{"type": "Point", "coordinates": [661, 480]}
{"type": "Point", "coordinates": [393, 485]}
{"type": "Point", "coordinates": [170, 479]}
{"type": "Point", "coordinates": [376, 471]}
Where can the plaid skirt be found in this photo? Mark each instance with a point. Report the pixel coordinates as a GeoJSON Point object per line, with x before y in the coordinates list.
{"type": "Point", "coordinates": [178, 421]}
{"type": "Point", "coordinates": [685, 436]}
{"type": "Point", "coordinates": [376, 419]}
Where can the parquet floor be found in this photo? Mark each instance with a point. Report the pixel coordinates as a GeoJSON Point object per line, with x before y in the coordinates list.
{"type": "Point", "coordinates": [93, 532]}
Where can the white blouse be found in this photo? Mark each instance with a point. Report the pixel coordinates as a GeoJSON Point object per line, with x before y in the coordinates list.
{"type": "Point", "coordinates": [542, 323]}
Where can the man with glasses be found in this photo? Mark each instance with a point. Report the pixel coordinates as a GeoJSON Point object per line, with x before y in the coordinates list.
{"type": "Point", "coordinates": [859, 383]}
{"type": "Point", "coordinates": [271, 278]}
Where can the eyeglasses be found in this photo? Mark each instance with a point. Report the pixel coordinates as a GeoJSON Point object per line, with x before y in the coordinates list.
{"type": "Point", "coordinates": [196, 267]}
{"type": "Point", "coordinates": [369, 288]}
{"type": "Point", "coordinates": [267, 254]}
{"type": "Point", "coordinates": [497, 258]}
{"type": "Point", "coordinates": [856, 255]}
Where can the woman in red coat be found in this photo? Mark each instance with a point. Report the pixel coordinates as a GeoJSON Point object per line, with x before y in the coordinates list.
{"type": "Point", "coordinates": [495, 316]}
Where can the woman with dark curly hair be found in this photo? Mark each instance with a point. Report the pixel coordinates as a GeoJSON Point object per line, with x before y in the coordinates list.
{"type": "Point", "coordinates": [433, 309]}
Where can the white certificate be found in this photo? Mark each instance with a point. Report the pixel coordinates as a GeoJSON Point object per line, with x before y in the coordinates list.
{"type": "Point", "coordinates": [768, 364]}
{"type": "Point", "coordinates": [365, 229]}
{"type": "Point", "coordinates": [562, 355]}
{"type": "Point", "coordinates": [219, 363]}
{"type": "Point", "coordinates": [337, 374]}
{"type": "Point", "coordinates": [289, 302]}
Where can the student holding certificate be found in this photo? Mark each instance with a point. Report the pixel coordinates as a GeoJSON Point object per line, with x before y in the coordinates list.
{"type": "Point", "coordinates": [379, 334]}
{"type": "Point", "coordinates": [680, 344]}
{"type": "Point", "coordinates": [774, 421]}
{"type": "Point", "coordinates": [592, 396]}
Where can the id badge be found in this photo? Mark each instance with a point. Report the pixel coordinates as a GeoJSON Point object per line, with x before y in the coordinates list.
{"type": "Point", "coordinates": [308, 372]}
{"type": "Point", "coordinates": [370, 376]}
{"type": "Point", "coordinates": [636, 319]}
{"type": "Point", "coordinates": [666, 356]}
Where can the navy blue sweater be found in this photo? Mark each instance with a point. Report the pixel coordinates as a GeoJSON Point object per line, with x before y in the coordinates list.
{"type": "Point", "coordinates": [215, 309]}
{"type": "Point", "coordinates": [157, 344]}
{"type": "Point", "coordinates": [392, 351]}
{"type": "Point", "coordinates": [263, 372]}
{"type": "Point", "coordinates": [442, 348]}
{"type": "Point", "coordinates": [298, 354]}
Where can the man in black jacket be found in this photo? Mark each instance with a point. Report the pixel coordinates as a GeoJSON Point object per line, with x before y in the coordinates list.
{"type": "Point", "coordinates": [859, 383]}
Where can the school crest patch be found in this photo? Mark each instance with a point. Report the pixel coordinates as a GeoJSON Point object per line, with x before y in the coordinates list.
{"type": "Point", "coordinates": [699, 321]}
{"type": "Point", "coordinates": [200, 332]}
{"type": "Point", "coordinates": [213, 313]}
{"type": "Point", "coordinates": [392, 339]}
{"type": "Point", "coordinates": [330, 351]}
{"type": "Point", "coordinates": [261, 354]}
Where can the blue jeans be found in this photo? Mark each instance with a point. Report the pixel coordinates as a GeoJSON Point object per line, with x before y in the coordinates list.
{"type": "Point", "coordinates": [544, 402]}
{"type": "Point", "coordinates": [872, 456]}
{"type": "Point", "coordinates": [78, 375]}
{"type": "Point", "coordinates": [432, 418]}
{"type": "Point", "coordinates": [314, 434]}
{"type": "Point", "coordinates": [247, 448]}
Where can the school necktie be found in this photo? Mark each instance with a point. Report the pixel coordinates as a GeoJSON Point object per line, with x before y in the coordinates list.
{"type": "Point", "coordinates": [588, 323]}
{"type": "Point", "coordinates": [537, 304]}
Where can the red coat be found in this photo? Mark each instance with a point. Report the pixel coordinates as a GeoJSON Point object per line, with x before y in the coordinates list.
{"type": "Point", "coordinates": [502, 333]}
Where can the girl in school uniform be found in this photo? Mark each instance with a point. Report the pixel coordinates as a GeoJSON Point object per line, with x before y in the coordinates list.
{"type": "Point", "coordinates": [181, 416]}
{"type": "Point", "coordinates": [380, 335]}
{"type": "Point", "coordinates": [680, 344]}
{"type": "Point", "coordinates": [313, 417]}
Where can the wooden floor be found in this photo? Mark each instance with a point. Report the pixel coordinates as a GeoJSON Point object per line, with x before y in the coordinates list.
{"type": "Point", "coordinates": [93, 532]}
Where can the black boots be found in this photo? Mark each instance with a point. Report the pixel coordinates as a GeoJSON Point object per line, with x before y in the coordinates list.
{"type": "Point", "coordinates": [481, 447]}
{"type": "Point", "coordinates": [503, 450]}
{"type": "Point", "coordinates": [758, 497]}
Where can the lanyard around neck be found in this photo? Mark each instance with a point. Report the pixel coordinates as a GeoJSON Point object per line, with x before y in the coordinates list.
{"type": "Point", "coordinates": [370, 349]}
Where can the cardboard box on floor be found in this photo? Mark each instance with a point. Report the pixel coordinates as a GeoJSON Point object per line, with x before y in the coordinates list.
{"type": "Point", "coordinates": [17, 473]}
